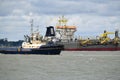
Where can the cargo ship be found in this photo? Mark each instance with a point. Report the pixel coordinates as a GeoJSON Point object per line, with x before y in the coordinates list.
{"type": "Point", "coordinates": [100, 43]}
{"type": "Point", "coordinates": [34, 44]}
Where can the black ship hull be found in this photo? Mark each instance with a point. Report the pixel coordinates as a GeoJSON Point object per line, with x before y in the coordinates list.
{"type": "Point", "coordinates": [44, 50]}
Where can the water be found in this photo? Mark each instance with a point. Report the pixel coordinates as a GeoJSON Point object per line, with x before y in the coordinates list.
{"type": "Point", "coordinates": [74, 65]}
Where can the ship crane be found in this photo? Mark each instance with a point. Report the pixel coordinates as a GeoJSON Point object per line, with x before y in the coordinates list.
{"type": "Point", "coordinates": [104, 37]}
{"type": "Point", "coordinates": [86, 42]}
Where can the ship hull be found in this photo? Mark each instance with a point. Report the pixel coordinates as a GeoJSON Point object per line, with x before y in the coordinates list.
{"type": "Point", "coordinates": [46, 50]}
{"type": "Point", "coordinates": [76, 46]}
{"type": "Point", "coordinates": [92, 49]}
{"type": "Point", "coordinates": [42, 52]}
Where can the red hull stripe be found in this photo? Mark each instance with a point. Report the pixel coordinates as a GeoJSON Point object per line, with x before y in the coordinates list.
{"type": "Point", "coordinates": [92, 49]}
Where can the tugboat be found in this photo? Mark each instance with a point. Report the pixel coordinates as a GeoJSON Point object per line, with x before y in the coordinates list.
{"type": "Point", "coordinates": [99, 43]}
{"type": "Point", "coordinates": [34, 44]}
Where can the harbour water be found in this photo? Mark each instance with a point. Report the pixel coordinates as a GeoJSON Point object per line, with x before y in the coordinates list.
{"type": "Point", "coordinates": [74, 65]}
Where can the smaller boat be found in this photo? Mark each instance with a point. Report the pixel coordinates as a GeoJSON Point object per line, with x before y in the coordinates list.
{"type": "Point", "coordinates": [34, 44]}
{"type": "Point", "coordinates": [48, 49]}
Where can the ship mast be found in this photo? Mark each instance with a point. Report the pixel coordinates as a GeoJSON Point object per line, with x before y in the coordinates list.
{"type": "Point", "coordinates": [62, 21]}
{"type": "Point", "coordinates": [31, 27]}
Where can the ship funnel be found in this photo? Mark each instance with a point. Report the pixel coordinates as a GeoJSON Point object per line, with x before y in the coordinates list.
{"type": "Point", "coordinates": [116, 33]}
{"type": "Point", "coordinates": [50, 31]}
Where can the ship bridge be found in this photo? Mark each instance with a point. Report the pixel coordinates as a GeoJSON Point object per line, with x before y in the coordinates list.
{"type": "Point", "coordinates": [66, 32]}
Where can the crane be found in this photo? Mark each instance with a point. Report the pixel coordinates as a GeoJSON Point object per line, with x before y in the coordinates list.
{"type": "Point", "coordinates": [104, 37]}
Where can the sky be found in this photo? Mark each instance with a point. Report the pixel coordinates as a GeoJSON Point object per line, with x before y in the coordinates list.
{"type": "Point", "coordinates": [91, 17]}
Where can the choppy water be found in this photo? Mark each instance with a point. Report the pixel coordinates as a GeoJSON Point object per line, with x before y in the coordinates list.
{"type": "Point", "coordinates": [72, 65]}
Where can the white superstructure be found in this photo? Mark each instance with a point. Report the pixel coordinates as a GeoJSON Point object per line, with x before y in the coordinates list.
{"type": "Point", "coordinates": [64, 31]}
{"type": "Point", "coordinates": [34, 40]}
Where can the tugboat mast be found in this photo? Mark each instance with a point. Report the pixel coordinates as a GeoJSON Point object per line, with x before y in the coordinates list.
{"type": "Point", "coordinates": [31, 27]}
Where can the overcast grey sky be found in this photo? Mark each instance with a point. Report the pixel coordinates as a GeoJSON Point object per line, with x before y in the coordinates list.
{"type": "Point", "coordinates": [90, 16]}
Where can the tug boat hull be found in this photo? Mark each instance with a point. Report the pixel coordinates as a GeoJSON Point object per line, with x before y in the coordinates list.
{"type": "Point", "coordinates": [46, 50]}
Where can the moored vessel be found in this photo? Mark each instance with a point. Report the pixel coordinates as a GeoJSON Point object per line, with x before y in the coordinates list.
{"type": "Point", "coordinates": [100, 43]}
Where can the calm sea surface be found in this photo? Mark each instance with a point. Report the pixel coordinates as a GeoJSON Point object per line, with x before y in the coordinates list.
{"type": "Point", "coordinates": [73, 65]}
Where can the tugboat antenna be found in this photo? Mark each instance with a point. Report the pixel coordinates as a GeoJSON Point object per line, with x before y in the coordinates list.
{"type": "Point", "coordinates": [31, 26]}
{"type": "Point", "coordinates": [38, 28]}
